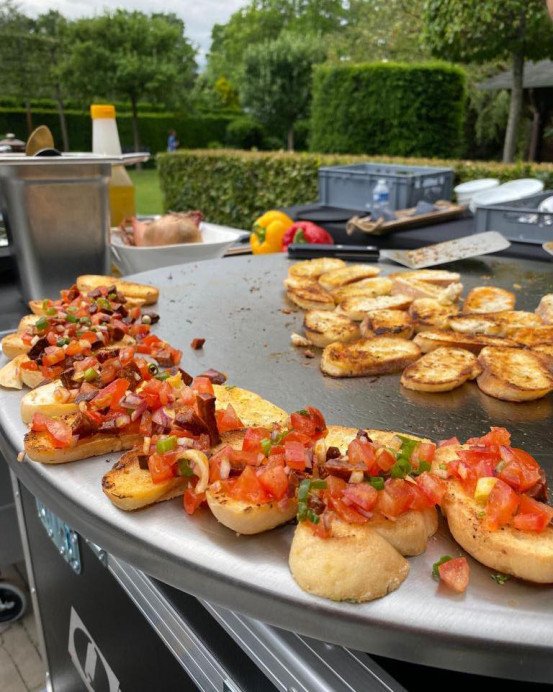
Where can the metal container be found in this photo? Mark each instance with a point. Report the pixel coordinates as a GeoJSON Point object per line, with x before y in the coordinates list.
{"type": "Point", "coordinates": [57, 219]}
{"type": "Point", "coordinates": [519, 220]}
{"type": "Point", "coordinates": [351, 187]}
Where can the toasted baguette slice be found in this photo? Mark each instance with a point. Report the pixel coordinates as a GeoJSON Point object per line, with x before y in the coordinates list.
{"type": "Point", "coordinates": [291, 282]}
{"type": "Point", "coordinates": [311, 297]}
{"type": "Point", "coordinates": [513, 374]}
{"type": "Point", "coordinates": [252, 409]}
{"type": "Point", "coordinates": [424, 289]}
{"type": "Point", "coordinates": [378, 356]}
{"type": "Point", "coordinates": [13, 346]}
{"type": "Point", "coordinates": [545, 309]}
{"type": "Point", "coordinates": [545, 352]}
{"type": "Point", "coordinates": [495, 323]}
{"type": "Point", "coordinates": [10, 374]}
{"type": "Point", "coordinates": [313, 268]}
{"type": "Point", "coordinates": [27, 321]}
{"type": "Point", "coordinates": [441, 370]}
{"type": "Point", "coordinates": [142, 292]}
{"type": "Point", "coordinates": [323, 327]}
{"type": "Point", "coordinates": [488, 299]}
{"type": "Point", "coordinates": [533, 336]}
{"type": "Point", "coordinates": [350, 565]}
{"type": "Point", "coordinates": [429, 313]}
{"type": "Point", "coordinates": [356, 307]}
{"type": "Point", "coordinates": [43, 400]}
{"type": "Point", "coordinates": [387, 323]}
{"type": "Point", "coordinates": [347, 275]}
{"type": "Point", "coordinates": [379, 286]}
{"type": "Point", "coordinates": [439, 277]}
{"type": "Point", "coordinates": [431, 339]}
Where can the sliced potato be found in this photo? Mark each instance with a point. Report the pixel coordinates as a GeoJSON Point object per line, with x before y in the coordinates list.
{"type": "Point", "coordinates": [489, 299]}
{"type": "Point", "coordinates": [313, 268]}
{"type": "Point", "coordinates": [347, 275]}
{"type": "Point", "coordinates": [131, 290]}
{"type": "Point", "coordinates": [441, 370]}
{"type": "Point", "coordinates": [356, 307]}
{"type": "Point", "coordinates": [323, 327]}
{"type": "Point", "coordinates": [387, 323]}
{"type": "Point", "coordinates": [513, 374]}
{"type": "Point", "coordinates": [377, 356]}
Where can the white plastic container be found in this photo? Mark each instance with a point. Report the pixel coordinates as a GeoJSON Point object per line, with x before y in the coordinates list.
{"type": "Point", "coordinates": [466, 191]}
{"type": "Point", "coordinates": [514, 189]}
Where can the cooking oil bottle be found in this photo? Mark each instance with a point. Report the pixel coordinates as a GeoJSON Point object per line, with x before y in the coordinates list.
{"type": "Point", "coordinates": [105, 140]}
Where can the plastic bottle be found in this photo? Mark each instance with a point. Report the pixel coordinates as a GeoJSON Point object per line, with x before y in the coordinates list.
{"type": "Point", "coordinates": [105, 140]}
{"type": "Point", "coordinates": [380, 197]}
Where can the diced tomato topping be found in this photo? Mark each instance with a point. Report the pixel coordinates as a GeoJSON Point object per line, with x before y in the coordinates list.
{"type": "Point", "coordinates": [59, 432]}
{"type": "Point", "coordinates": [335, 486]}
{"type": "Point", "coordinates": [310, 421]}
{"type": "Point", "coordinates": [162, 466]}
{"type": "Point", "coordinates": [346, 512]}
{"type": "Point", "coordinates": [227, 420]}
{"type": "Point", "coordinates": [29, 365]}
{"type": "Point", "coordinates": [433, 487]}
{"type": "Point", "coordinates": [384, 459]}
{"type": "Point", "coordinates": [146, 424]}
{"type": "Point", "coordinates": [150, 392]}
{"type": "Point", "coordinates": [253, 437]}
{"type": "Point", "coordinates": [142, 366]}
{"type": "Point", "coordinates": [481, 461]}
{"type": "Point", "coordinates": [248, 488]}
{"type": "Point", "coordinates": [295, 455]}
{"type": "Point", "coordinates": [532, 515]}
{"type": "Point", "coordinates": [126, 355]}
{"type": "Point", "coordinates": [74, 348]}
{"type": "Point", "coordinates": [275, 481]}
{"type": "Point", "coordinates": [449, 441]}
{"type": "Point", "coordinates": [455, 573]}
{"type": "Point", "coordinates": [51, 372]}
{"type": "Point", "coordinates": [202, 385]}
{"type": "Point", "coordinates": [361, 453]}
{"type": "Point", "coordinates": [361, 494]}
{"type": "Point", "coordinates": [520, 470]}
{"type": "Point", "coordinates": [239, 456]}
{"type": "Point", "coordinates": [192, 500]}
{"type": "Point", "coordinates": [215, 463]}
{"type": "Point", "coordinates": [111, 395]}
{"type": "Point", "coordinates": [401, 493]}
{"type": "Point", "coordinates": [54, 357]}
{"type": "Point", "coordinates": [423, 452]}
{"type": "Point", "coordinates": [166, 394]}
{"type": "Point", "coordinates": [502, 504]}
{"type": "Point", "coordinates": [295, 436]}
{"type": "Point", "coordinates": [496, 437]}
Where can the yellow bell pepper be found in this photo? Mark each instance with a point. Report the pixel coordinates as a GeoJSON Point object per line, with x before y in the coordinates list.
{"type": "Point", "coordinates": [268, 231]}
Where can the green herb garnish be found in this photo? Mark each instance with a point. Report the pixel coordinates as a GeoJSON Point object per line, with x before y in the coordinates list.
{"type": "Point", "coordinates": [71, 318]}
{"type": "Point", "coordinates": [184, 468]}
{"type": "Point", "coordinates": [305, 513]}
{"type": "Point", "coordinates": [303, 412]}
{"type": "Point", "coordinates": [435, 572]}
{"type": "Point", "coordinates": [500, 578]}
{"type": "Point", "coordinates": [166, 444]}
{"type": "Point", "coordinates": [42, 323]}
{"type": "Point", "coordinates": [377, 482]}
{"type": "Point", "coordinates": [90, 374]}
{"type": "Point", "coordinates": [403, 467]}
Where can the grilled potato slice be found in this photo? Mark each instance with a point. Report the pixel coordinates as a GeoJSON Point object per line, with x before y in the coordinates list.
{"type": "Point", "coordinates": [379, 286]}
{"type": "Point", "coordinates": [488, 299]}
{"type": "Point", "coordinates": [430, 339]}
{"type": "Point", "coordinates": [495, 323]}
{"type": "Point", "coordinates": [387, 323]}
{"type": "Point", "coordinates": [545, 309]}
{"type": "Point", "coordinates": [423, 289]}
{"type": "Point", "coordinates": [441, 370]}
{"type": "Point", "coordinates": [347, 275]}
{"type": "Point", "coordinates": [356, 307]}
{"type": "Point", "coordinates": [13, 346]}
{"type": "Point", "coordinates": [350, 565]}
{"type": "Point", "coordinates": [142, 292]}
{"type": "Point", "coordinates": [513, 374]}
{"type": "Point", "coordinates": [313, 268]}
{"type": "Point", "coordinates": [311, 297]}
{"type": "Point", "coordinates": [323, 327]}
{"type": "Point", "coordinates": [378, 356]}
{"type": "Point", "coordinates": [429, 313]}
{"type": "Point", "coordinates": [545, 352]}
{"type": "Point", "coordinates": [439, 277]}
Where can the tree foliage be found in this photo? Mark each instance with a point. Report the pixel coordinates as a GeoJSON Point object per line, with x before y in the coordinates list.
{"type": "Point", "coordinates": [276, 82]}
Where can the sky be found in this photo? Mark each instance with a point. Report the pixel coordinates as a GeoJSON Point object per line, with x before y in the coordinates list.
{"type": "Point", "coordinates": [199, 15]}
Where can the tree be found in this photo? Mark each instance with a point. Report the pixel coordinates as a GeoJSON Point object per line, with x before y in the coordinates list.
{"type": "Point", "coordinates": [482, 30]}
{"type": "Point", "coordinates": [132, 55]}
{"type": "Point", "coordinates": [276, 83]}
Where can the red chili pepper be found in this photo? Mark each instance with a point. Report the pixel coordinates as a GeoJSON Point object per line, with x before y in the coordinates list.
{"type": "Point", "coordinates": [306, 232]}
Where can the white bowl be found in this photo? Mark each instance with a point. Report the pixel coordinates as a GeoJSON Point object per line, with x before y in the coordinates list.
{"type": "Point", "coordinates": [466, 191]}
{"type": "Point", "coordinates": [514, 189]}
{"type": "Point", "coordinates": [546, 205]}
{"type": "Point", "coordinates": [216, 241]}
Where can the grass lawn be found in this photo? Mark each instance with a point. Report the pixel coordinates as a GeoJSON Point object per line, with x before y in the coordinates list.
{"type": "Point", "coordinates": [149, 199]}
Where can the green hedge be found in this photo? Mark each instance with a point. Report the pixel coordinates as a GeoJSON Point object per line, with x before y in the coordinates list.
{"type": "Point", "coordinates": [192, 131]}
{"type": "Point", "coordinates": [234, 187]}
{"type": "Point", "coordinates": [389, 108]}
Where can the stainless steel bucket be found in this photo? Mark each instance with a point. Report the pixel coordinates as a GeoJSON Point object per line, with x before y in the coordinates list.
{"type": "Point", "coordinates": [57, 218]}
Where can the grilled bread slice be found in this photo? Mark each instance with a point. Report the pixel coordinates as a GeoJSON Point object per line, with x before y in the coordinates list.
{"type": "Point", "coordinates": [44, 399]}
{"type": "Point", "coordinates": [291, 282]}
{"type": "Point", "coordinates": [144, 293]}
{"type": "Point", "coordinates": [545, 352]}
{"type": "Point", "coordinates": [387, 323]}
{"type": "Point", "coordinates": [429, 313]}
{"type": "Point", "coordinates": [441, 370]}
{"type": "Point", "coordinates": [377, 356]}
{"type": "Point", "coordinates": [439, 277]}
{"type": "Point", "coordinates": [313, 268]}
{"type": "Point", "coordinates": [424, 289]}
{"type": "Point", "coordinates": [513, 374]}
{"type": "Point", "coordinates": [495, 323]}
{"type": "Point", "coordinates": [431, 339]}
{"type": "Point", "coordinates": [356, 307]}
{"type": "Point", "coordinates": [10, 374]}
{"type": "Point", "coordinates": [533, 336]}
{"type": "Point", "coordinates": [311, 297]}
{"type": "Point", "coordinates": [323, 327]}
{"type": "Point", "coordinates": [252, 409]}
{"type": "Point", "coordinates": [379, 286]}
{"type": "Point", "coordinates": [347, 275]}
{"type": "Point", "coordinates": [545, 309]}
{"type": "Point", "coordinates": [13, 346]}
{"type": "Point", "coordinates": [26, 322]}
{"type": "Point", "coordinates": [489, 299]}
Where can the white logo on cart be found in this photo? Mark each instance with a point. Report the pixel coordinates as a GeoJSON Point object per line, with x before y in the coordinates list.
{"type": "Point", "coordinates": [88, 659]}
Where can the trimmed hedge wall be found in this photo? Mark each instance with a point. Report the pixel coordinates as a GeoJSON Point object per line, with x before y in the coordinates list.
{"type": "Point", "coordinates": [389, 108]}
{"type": "Point", "coordinates": [192, 131]}
{"type": "Point", "coordinates": [234, 187]}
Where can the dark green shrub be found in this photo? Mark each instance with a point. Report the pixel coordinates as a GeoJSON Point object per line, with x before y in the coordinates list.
{"type": "Point", "coordinates": [234, 187]}
{"type": "Point", "coordinates": [245, 133]}
{"type": "Point", "coordinates": [388, 108]}
{"type": "Point", "coordinates": [302, 131]}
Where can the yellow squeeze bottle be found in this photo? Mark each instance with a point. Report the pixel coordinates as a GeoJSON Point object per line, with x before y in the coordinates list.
{"type": "Point", "coordinates": [105, 140]}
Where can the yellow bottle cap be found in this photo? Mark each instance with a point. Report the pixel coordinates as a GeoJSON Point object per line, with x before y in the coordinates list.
{"type": "Point", "coordinates": [102, 111]}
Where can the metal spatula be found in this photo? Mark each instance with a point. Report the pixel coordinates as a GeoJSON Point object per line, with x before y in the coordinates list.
{"type": "Point", "coordinates": [449, 251]}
